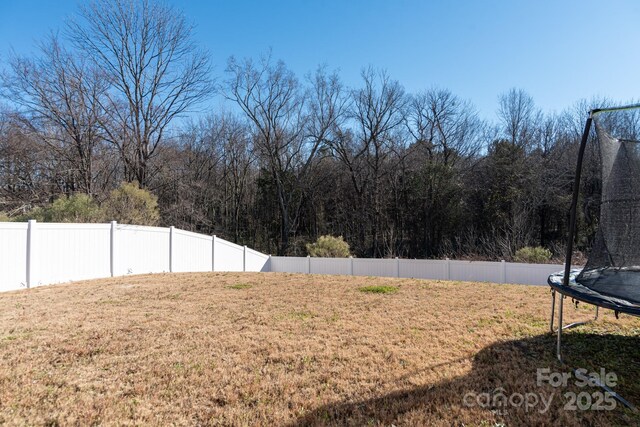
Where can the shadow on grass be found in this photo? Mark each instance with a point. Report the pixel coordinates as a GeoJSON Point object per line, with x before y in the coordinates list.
{"type": "Point", "coordinates": [509, 367]}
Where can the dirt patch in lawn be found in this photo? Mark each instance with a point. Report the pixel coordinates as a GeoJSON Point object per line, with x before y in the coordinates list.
{"type": "Point", "coordinates": [285, 349]}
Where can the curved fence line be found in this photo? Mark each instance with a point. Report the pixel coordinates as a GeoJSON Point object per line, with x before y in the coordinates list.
{"type": "Point", "coordinates": [34, 254]}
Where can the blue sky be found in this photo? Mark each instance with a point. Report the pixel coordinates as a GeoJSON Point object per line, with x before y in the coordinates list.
{"type": "Point", "coordinates": [558, 51]}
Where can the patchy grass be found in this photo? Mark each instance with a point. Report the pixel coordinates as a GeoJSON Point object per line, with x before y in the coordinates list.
{"type": "Point", "coordinates": [184, 349]}
{"type": "Point", "coordinates": [302, 315]}
{"type": "Point", "coordinates": [240, 286]}
{"type": "Point", "coordinates": [379, 289]}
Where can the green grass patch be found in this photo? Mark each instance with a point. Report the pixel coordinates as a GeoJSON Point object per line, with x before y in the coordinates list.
{"type": "Point", "coordinates": [379, 289]}
{"type": "Point", "coordinates": [488, 321]}
{"type": "Point", "coordinates": [334, 317]}
{"type": "Point", "coordinates": [240, 286]}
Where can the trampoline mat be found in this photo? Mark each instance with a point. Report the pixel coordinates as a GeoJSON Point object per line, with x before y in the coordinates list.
{"type": "Point", "coordinates": [580, 292]}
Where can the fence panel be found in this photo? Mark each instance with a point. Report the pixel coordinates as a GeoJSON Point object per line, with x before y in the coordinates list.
{"type": "Point", "coordinates": [228, 256]}
{"type": "Point", "coordinates": [256, 261]}
{"type": "Point", "coordinates": [530, 274]}
{"type": "Point", "coordinates": [424, 269]}
{"type": "Point", "coordinates": [13, 256]}
{"type": "Point", "coordinates": [290, 264]}
{"type": "Point", "coordinates": [375, 267]}
{"type": "Point", "coordinates": [330, 265]}
{"type": "Point", "coordinates": [141, 250]}
{"type": "Point", "coordinates": [476, 271]}
{"type": "Point", "coordinates": [66, 252]}
{"type": "Point", "coordinates": [191, 251]}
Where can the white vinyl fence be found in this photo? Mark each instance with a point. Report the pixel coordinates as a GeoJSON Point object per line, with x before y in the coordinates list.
{"type": "Point", "coordinates": [476, 271]}
{"type": "Point", "coordinates": [34, 254]}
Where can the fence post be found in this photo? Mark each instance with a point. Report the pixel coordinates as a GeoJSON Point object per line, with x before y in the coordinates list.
{"type": "Point", "coordinates": [244, 258]}
{"type": "Point", "coordinates": [448, 268]}
{"type": "Point", "coordinates": [397, 267]}
{"type": "Point", "coordinates": [308, 264]}
{"type": "Point", "coordinates": [351, 258]}
{"type": "Point", "coordinates": [213, 253]}
{"type": "Point", "coordinates": [171, 231]}
{"type": "Point", "coordinates": [112, 252]}
{"type": "Point", "coordinates": [503, 271]}
{"type": "Point", "coordinates": [31, 229]}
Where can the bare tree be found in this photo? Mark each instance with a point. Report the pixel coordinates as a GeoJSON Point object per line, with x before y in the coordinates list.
{"type": "Point", "coordinates": [519, 117]}
{"type": "Point", "coordinates": [60, 99]}
{"type": "Point", "coordinates": [272, 100]}
{"type": "Point", "coordinates": [21, 172]}
{"type": "Point", "coordinates": [155, 70]}
{"type": "Point", "coordinates": [204, 181]}
{"type": "Point", "coordinates": [290, 126]}
{"type": "Point", "coordinates": [187, 179]}
{"type": "Point", "coordinates": [238, 160]}
{"type": "Point", "coordinates": [377, 111]}
{"type": "Point", "coordinates": [448, 136]}
{"type": "Point", "coordinates": [445, 125]}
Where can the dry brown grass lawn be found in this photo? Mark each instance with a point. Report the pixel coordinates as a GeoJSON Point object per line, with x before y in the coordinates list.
{"type": "Point", "coordinates": [284, 349]}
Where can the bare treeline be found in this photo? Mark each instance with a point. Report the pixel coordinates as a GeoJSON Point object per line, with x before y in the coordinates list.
{"type": "Point", "coordinates": [291, 158]}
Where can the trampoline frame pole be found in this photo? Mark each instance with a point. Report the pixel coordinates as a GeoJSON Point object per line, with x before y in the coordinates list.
{"type": "Point", "coordinates": [559, 344]}
{"type": "Point", "coordinates": [572, 227]}
{"type": "Point", "coordinates": [553, 310]}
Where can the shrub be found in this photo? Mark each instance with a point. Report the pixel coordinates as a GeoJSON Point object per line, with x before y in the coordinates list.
{"type": "Point", "coordinates": [37, 213]}
{"type": "Point", "coordinates": [130, 204]}
{"type": "Point", "coordinates": [75, 208]}
{"type": "Point", "coordinates": [329, 246]}
{"type": "Point", "coordinates": [534, 255]}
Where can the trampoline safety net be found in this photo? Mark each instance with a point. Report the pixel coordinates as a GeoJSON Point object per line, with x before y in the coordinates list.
{"type": "Point", "coordinates": [613, 266]}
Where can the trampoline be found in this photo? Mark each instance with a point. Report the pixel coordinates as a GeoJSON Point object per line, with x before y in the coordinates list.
{"type": "Point", "coordinates": [611, 277]}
